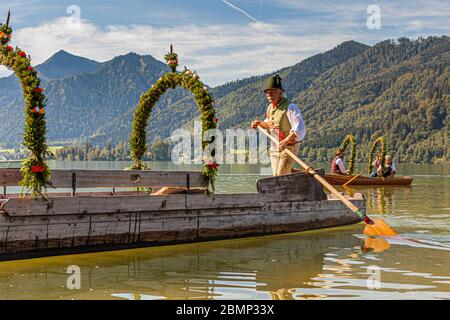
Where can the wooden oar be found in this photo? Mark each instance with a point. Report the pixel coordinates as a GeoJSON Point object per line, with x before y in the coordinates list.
{"type": "Point", "coordinates": [373, 227]}
{"type": "Point", "coordinates": [345, 184]}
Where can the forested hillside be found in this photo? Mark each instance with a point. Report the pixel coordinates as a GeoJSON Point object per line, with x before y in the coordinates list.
{"type": "Point", "coordinates": [399, 89]}
{"type": "Point", "coordinates": [396, 88]}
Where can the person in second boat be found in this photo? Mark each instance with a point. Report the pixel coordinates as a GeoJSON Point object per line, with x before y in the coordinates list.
{"type": "Point", "coordinates": [389, 168]}
{"type": "Point", "coordinates": [337, 165]}
{"type": "Point", "coordinates": [283, 119]}
{"type": "Point", "coordinates": [376, 164]}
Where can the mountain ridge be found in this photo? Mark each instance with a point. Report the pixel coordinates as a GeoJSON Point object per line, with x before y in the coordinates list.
{"type": "Point", "coordinates": [338, 92]}
{"type": "Point", "coordinates": [63, 64]}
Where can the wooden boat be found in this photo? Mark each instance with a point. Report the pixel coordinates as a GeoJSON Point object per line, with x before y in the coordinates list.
{"type": "Point", "coordinates": [77, 219]}
{"type": "Point", "coordinates": [338, 179]}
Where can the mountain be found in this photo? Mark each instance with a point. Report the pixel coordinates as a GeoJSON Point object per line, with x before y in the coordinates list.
{"type": "Point", "coordinates": [63, 64]}
{"type": "Point", "coordinates": [78, 105]}
{"type": "Point", "coordinates": [398, 88]}
{"type": "Point", "coordinates": [238, 102]}
{"type": "Point", "coordinates": [59, 66]}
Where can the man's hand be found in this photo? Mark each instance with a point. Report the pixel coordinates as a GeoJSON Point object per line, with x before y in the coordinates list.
{"type": "Point", "coordinates": [283, 144]}
{"type": "Point", "coordinates": [255, 124]}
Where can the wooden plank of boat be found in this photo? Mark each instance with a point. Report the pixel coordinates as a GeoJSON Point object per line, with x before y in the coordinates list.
{"type": "Point", "coordinates": [337, 179]}
{"type": "Point", "coordinates": [111, 178]}
{"type": "Point", "coordinates": [298, 186]}
{"type": "Point", "coordinates": [14, 207]}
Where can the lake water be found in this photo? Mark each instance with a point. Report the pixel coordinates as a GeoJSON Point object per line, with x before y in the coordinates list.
{"type": "Point", "coordinates": [337, 263]}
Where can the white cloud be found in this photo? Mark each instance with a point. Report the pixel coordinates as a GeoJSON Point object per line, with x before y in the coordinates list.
{"type": "Point", "coordinates": [224, 52]}
{"type": "Point", "coordinates": [218, 52]}
{"type": "Point", "coordinates": [4, 72]}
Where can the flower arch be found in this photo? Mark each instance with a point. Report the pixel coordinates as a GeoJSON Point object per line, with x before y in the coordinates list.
{"type": "Point", "coordinates": [35, 172]}
{"type": "Point", "coordinates": [350, 139]}
{"type": "Point", "coordinates": [382, 142]}
{"type": "Point", "coordinates": [188, 80]}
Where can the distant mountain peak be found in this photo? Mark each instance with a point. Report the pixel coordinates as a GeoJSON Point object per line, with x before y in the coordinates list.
{"type": "Point", "coordinates": [352, 42]}
{"type": "Point", "coordinates": [64, 64]}
{"type": "Point", "coordinates": [62, 54]}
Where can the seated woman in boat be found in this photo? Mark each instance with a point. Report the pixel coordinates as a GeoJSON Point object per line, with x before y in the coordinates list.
{"type": "Point", "coordinates": [337, 165]}
{"type": "Point", "coordinates": [389, 168]}
{"type": "Point", "coordinates": [376, 164]}
{"type": "Point", "coordinates": [285, 120]}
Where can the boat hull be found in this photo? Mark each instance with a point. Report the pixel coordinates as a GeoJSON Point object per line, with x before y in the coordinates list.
{"type": "Point", "coordinates": [37, 230]}
{"type": "Point", "coordinates": [336, 179]}
{"type": "Point", "coordinates": [95, 221]}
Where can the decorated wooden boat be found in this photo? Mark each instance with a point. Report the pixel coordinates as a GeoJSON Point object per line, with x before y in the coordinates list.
{"type": "Point", "coordinates": [339, 179]}
{"type": "Point", "coordinates": [96, 210]}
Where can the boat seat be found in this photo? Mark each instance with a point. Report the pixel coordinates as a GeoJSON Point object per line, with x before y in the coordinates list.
{"type": "Point", "coordinates": [77, 179]}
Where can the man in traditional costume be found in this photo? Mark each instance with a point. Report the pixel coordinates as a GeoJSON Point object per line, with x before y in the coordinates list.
{"type": "Point", "coordinates": [283, 120]}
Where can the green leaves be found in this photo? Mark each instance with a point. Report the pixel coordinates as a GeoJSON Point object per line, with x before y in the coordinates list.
{"type": "Point", "coordinates": [189, 81]}
{"type": "Point", "coordinates": [35, 171]}
{"type": "Point", "coordinates": [350, 139]}
{"type": "Point", "coordinates": [380, 141]}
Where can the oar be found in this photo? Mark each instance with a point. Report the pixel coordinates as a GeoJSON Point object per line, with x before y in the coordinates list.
{"type": "Point", "coordinates": [373, 227]}
{"type": "Point", "coordinates": [348, 182]}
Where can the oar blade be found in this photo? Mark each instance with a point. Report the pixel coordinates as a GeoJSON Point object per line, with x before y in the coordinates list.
{"type": "Point", "coordinates": [379, 228]}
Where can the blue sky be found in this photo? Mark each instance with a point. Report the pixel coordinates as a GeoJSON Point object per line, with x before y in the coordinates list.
{"type": "Point", "coordinates": [222, 39]}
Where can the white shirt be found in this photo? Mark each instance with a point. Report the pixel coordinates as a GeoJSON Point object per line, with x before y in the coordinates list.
{"type": "Point", "coordinates": [341, 166]}
{"type": "Point", "coordinates": [296, 120]}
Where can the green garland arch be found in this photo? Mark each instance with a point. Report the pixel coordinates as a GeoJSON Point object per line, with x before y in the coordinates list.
{"type": "Point", "coordinates": [188, 80]}
{"type": "Point", "coordinates": [35, 172]}
{"type": "Point", "coordinates": [350, 139]}
{"type": "Point", "coordinates": [382, 141]}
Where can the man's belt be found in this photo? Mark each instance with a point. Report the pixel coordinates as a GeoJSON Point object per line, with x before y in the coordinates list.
{"type": "Point", "coordinates": [281, 136]}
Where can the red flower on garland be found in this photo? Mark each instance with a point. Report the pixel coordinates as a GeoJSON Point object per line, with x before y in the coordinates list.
{"type": "Point", "coordinates": [30, 68]}
{"type": "Point", "coordinates": [213, 165]}
{"type": "Point", "coordinates": [38, 90]}
{"type": "Point", "coordinates": [22, 54]}
{"type": "Point", "coordinates": [37, 168]}
{"type": "Point", "coordinates": [9, 48]}
{"type": "Point", "coordinates": [38, 110]}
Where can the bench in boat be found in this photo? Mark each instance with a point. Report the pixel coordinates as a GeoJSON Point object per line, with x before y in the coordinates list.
{"type": "Point", "coordinates": [94, 221]}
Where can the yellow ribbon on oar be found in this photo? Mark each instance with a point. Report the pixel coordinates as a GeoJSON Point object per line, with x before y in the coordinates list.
{"type": "Point", "coordinates": [373, 227]}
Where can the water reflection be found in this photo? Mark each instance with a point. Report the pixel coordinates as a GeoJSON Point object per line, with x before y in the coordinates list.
{"type": "Point", "coordinates": [311, 265]}
{"type": "Point", "coordinates": [375, 244]}
{"type": "Point", "coordinates": [325, 264]}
